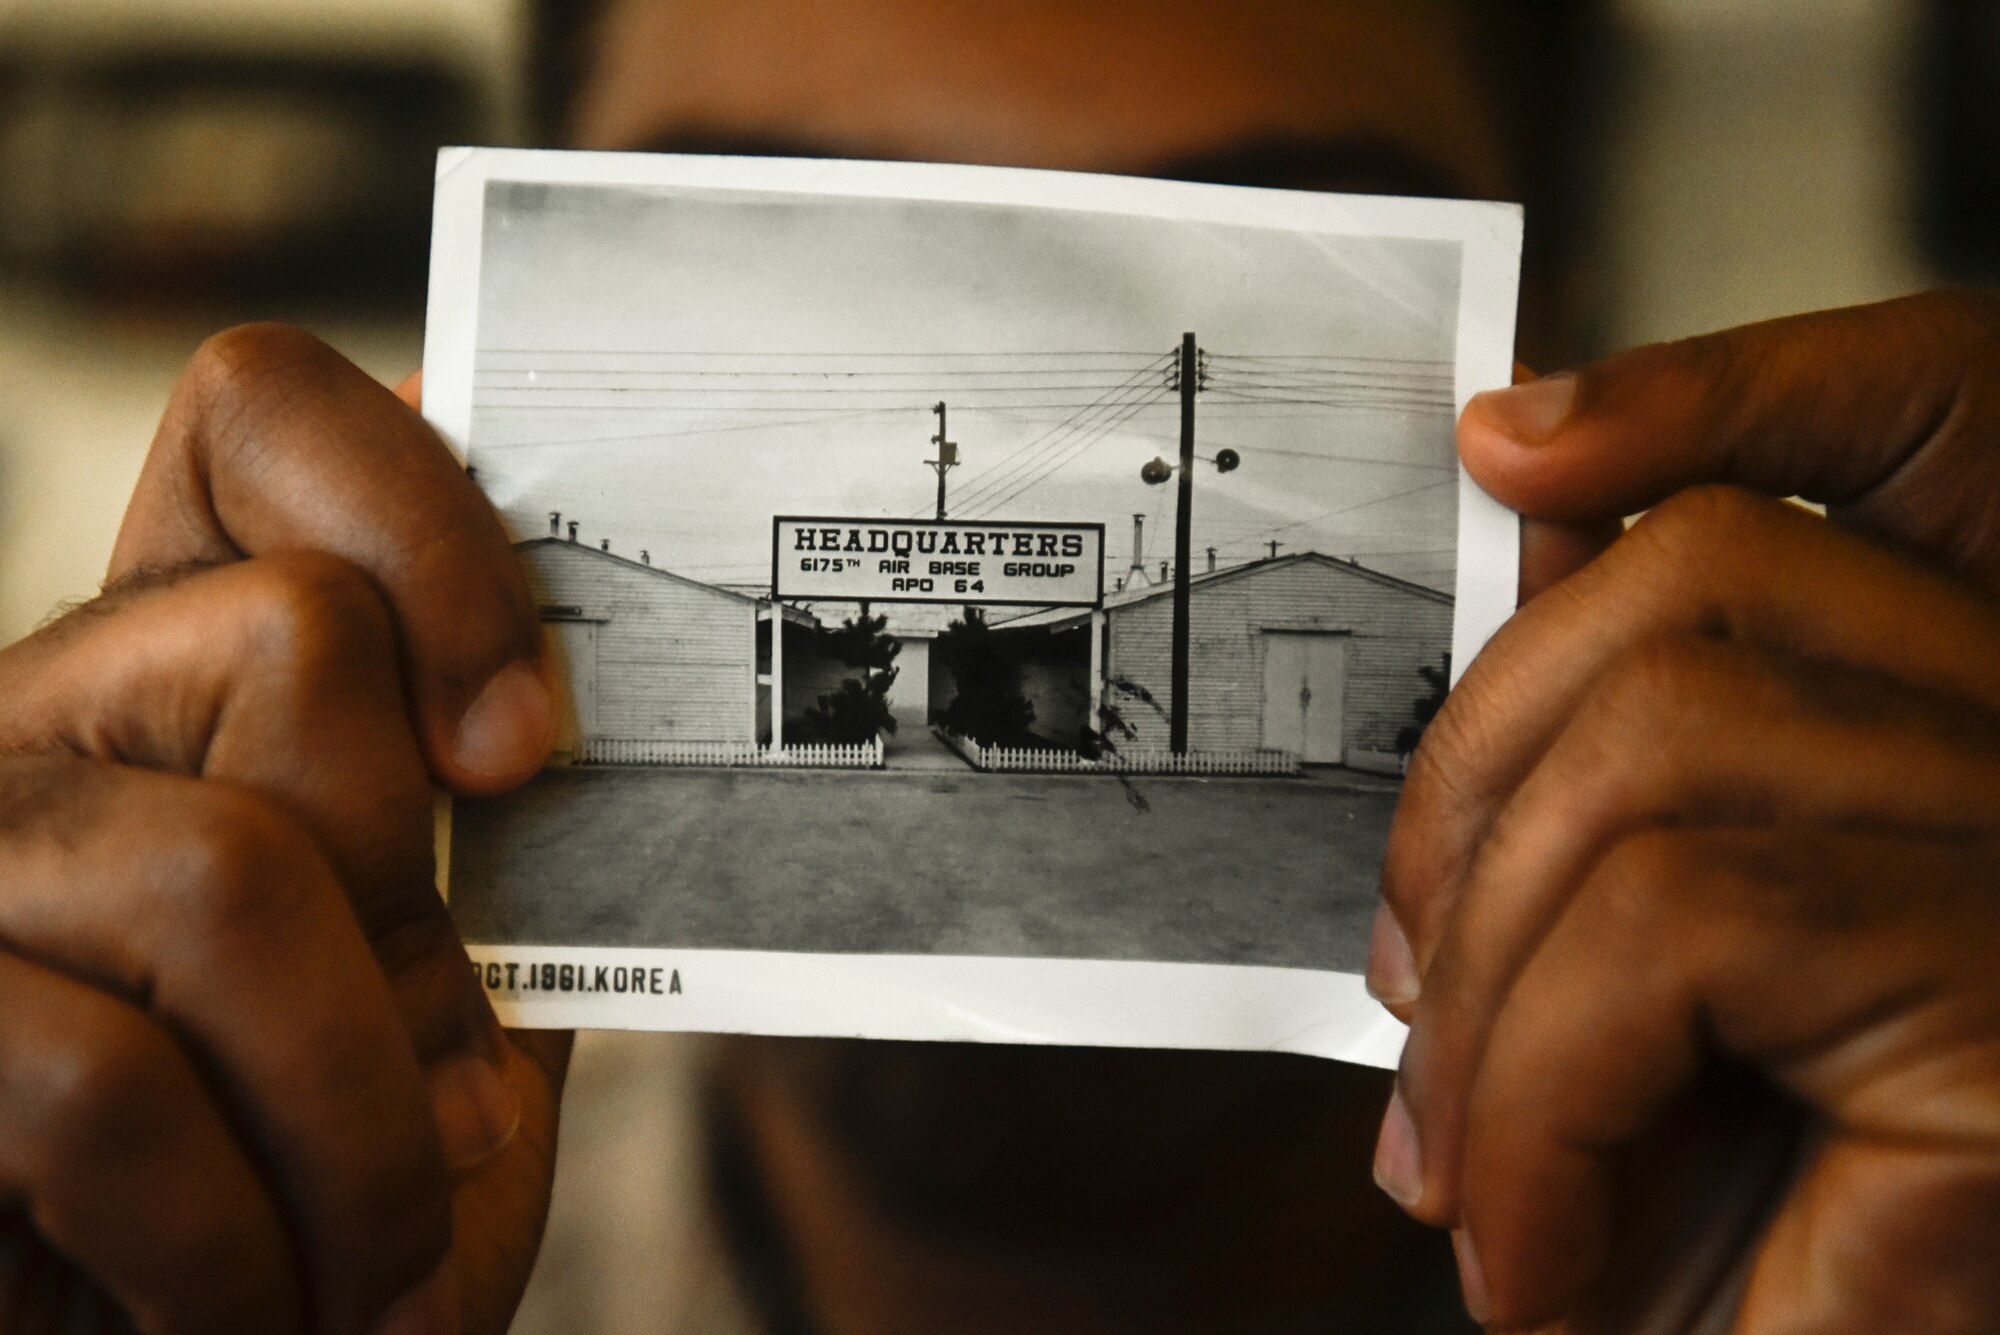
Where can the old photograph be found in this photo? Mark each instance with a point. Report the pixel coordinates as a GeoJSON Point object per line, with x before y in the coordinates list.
{"type": "Point", "coordinates": [958, 565]}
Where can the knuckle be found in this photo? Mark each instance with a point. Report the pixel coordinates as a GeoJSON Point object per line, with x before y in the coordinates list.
{"type": "Point", "coordinates": [304, 609]}
{"type": "Point", "coordinates": [1697, 539]}
{"type": "Point", "coordinates": [1648, 674]}
{"type": "Point", "coordinates": [1691, 520]}
{"type": "Point", "coordinates": [240, 866]}
{"type": "Point", "coordinates": [1641, 873]}
{"type": "Point", "coordinates": [101, 1082]}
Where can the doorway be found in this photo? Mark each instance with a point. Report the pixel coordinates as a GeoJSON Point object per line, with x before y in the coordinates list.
{"type": "Point", "coordinates": [573, 648]}
{"type": "Point", "coordinates": [1305, 694]}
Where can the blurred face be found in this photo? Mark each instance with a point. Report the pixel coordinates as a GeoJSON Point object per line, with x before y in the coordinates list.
{"type": "Point", "coordinates": [1247, 1174]}
{"type": "Point", "coordinates": [1371, 95]}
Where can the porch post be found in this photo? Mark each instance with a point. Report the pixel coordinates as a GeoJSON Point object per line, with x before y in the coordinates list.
{"type": "Point", "coordinates": [1096, 720]}
{"type": "Point", "coordinates": [777, 675]}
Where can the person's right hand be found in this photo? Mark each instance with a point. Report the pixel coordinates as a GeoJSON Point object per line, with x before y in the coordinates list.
{"type": "Point", "coordinates": [247, 1079]}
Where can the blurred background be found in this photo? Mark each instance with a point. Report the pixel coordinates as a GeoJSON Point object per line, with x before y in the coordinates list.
{"type": "Point", "coordinates": [168, 167]}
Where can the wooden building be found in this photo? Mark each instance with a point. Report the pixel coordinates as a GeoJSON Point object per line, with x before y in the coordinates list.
{"type": "Point", "coordinates": [1303, 653]}
{"type": "Point", "coordinates": [651, 656]}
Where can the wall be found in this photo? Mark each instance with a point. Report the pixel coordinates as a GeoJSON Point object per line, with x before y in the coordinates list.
{"type": "Point", "coordinates": [675, 659]}
{"type": "Point", "coordinates": [1395, 630]}
{"type": "Point", "coordinates": [910, 697]}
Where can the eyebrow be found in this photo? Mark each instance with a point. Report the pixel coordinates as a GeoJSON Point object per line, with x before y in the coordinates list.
{"type": "Point", "coordinates": [1357, 164]}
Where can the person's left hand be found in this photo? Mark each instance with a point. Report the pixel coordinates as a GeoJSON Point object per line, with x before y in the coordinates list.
{"type": "Point", "coordinates": [1697, 864]}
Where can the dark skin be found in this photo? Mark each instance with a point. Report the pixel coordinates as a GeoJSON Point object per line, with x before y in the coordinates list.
{"type": "Point", "coordinates": [240, 1024]}
{"type": "Point", "coordinates": [310, 601]}
{"type": "Point", "coordinates": [1726, 799]}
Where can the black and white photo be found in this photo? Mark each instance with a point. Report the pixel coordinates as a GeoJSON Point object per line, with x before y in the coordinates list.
{"type": "Point", "coordinates": [991, 604]}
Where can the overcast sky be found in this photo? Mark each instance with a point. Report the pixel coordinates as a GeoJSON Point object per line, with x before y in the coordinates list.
{"type": "Point", "coordinates": [671, 368]}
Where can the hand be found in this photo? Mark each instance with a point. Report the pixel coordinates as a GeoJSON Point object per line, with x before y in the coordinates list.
{"type": "Point", "coordinates": [255, 1083]}
{"type": "Point", "coordinates": [1692, 892]}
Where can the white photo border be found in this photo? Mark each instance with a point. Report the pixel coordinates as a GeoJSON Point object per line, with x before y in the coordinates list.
{"type": "Point", "coordinates": [1060, 1001]}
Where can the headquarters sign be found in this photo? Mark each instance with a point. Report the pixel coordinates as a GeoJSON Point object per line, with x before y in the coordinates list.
{"type": "Point", "coordinates": [936, 561]}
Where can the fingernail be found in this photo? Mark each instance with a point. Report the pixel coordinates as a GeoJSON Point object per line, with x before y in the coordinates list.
{"type": "Point", "coordinates": [1529, 414]}
{"type": "Point", "coordinates": [1392, 969]}
{"type": "Point", "coordinates": [509, 726]}
{"type": "Point", "coordinates": [430, 1309]}
{"type": "Point", "coordinates": [1399, 1164]}
{"type": "Point", "coordinates": [1472, 1278]}
{"type": "Point", "coordinates": [477, 1111]}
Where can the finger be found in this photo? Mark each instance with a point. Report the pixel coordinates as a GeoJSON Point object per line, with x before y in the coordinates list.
{"type": "Point", "coordinates": [1552, 552]}
{"type": "Point", "coordinates": [125, 1164]}
{"type": "Point", "coordinates": [1714, 560]}
{"type": "Point", "coordinates": [1885, 413]}
{"type": "Point", "coordinates": [280, 674]}
{"type": "Point", "coordinates": [274, 443]}
{"type": "Point", "coordinates": [236, 937]}
{"type": "Point", "coordinates": [1748, 738]}
{"type": "Point", "coordinates": [1603, 1028]}
{"type": "Point", "coordinates": [1880, 1237]}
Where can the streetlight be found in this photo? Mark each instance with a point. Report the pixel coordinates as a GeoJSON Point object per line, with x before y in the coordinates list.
{"type": "Point", "coordinates": [1156, 472]}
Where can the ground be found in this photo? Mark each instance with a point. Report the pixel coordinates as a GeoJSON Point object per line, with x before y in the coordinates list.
{"type": "Point", "coordinates": [951, 862]}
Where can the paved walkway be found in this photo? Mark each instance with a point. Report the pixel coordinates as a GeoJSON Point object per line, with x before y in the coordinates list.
{"type": "Point", "coordinates": [918, 748]}
{"type": "Point", "coordinates": [1225, 870]}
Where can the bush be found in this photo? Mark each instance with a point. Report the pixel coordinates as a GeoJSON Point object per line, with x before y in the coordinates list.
{"type": "Point", "coordinates": [988, 707]}
{"type": "Point", "coordinates": [1426, 707]}
{"type": "Point", "coordinates": [859, 710]}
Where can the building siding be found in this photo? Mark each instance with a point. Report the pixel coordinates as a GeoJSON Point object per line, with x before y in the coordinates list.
{"type": "Point", "coordinates": [676, 660]}
{"type": "Point", "coordinates": [1392, 632]}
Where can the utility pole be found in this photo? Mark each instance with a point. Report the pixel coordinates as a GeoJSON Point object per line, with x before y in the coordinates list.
{"type": "Point", "coordinates": [947, 456]}
{"type": "Point", "coordinates": [1273, 545]}
{"type": "Point", "coordinates": [1190, 377]}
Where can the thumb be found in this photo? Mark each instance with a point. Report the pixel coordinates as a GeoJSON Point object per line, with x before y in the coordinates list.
{"type": "Point", "coordinates": [1883, 413]}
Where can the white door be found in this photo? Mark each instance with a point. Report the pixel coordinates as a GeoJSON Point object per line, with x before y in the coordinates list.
{"type": "Point", "coordinates": [1305, 692]}
{"type": "Point", "coordinates": [573, 645]}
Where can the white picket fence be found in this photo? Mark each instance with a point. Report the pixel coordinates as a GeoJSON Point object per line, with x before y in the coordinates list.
{"type": "Point", "coordinates": [630, 751]}
{"type": "Point", "coordinates": [1149, 761]}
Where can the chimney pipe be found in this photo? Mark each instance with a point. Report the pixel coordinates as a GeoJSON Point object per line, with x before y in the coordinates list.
{"type": "Point", "coordinates": [645, 557]}
{"type": "Point", "coordinates": [1211, 560]}
{"type": "Point", "coordinates": [1166, 567]}
{"type": "Point", "coordinates": [1138, 566]}
{"type": "Point", "coordinates": [555, 523]}
{"type": "Point", "coordinates": [604, 544]}
{"type": "Point", "coordinates": [572, 530]}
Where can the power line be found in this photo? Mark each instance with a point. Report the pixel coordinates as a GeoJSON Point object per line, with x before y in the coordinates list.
{"type": "Point", "coordinates": [1039, 386]}
{"type": "Point", "coordinates": [1360, 505]}
{"type": "Point", "coordinates": [805, 356]}
{"type": "Point", "coordinates": [1097, 433]}
{"type": "Point", "coordinates": [725, 409]}
{"type": "Point", "coordinates": [820, 419]}
{"type": "Point", "coordinates": [985, 479]}
{"type": "Point", "coordinates": [1062, 452]}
